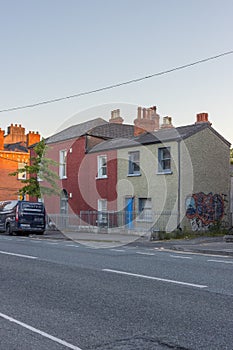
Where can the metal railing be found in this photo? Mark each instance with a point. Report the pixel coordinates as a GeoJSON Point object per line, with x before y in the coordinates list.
{"type": "Point", "coordinates": [116, 220]}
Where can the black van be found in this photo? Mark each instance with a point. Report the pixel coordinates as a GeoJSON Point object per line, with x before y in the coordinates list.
{"type": "Point", "coordinates": [22, 217]}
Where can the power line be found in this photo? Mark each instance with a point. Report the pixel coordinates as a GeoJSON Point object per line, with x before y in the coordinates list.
{"type": "Point", "coordinates": [113, 86]}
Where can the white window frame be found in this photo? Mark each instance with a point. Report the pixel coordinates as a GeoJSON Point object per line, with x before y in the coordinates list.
{"type": "Point", "coordinates": [134, 162]}
{"type": "Point", "coordinates": [101, 167]}
{"type": "Point", "coordinates": [63, 164]}
{"type": "Point", "coordinates": [102, 211]}
{"type": "Point", "coordinates": [162, 160]}
{"type": "Point", "coordinates": [23, 175]}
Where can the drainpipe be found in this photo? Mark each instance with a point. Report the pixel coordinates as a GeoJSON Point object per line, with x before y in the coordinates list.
{"type": "Point", "coordinates": [179, 186]}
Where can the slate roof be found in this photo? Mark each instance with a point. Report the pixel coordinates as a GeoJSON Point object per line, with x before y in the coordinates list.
{"type": "Point", "coordinates": [16, 147]}
{"type": "Point", "coordinates": [111, 130]}
{"type": "Point", "coordinates": [75, 130]}
{"type": "Point", "coordinates": [160, 136]}
{"type": "Point", "coordinates": [97, 127]}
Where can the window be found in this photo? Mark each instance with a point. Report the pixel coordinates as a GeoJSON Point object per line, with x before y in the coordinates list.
{"type": "Point", "coordinates": [164, 158]}
{"type": "Point", "coordinates": [62, 164]}
{"type": "Point", "coordinates": [134, 163]}
{"type": "Point", "coordinates": [64, 202]}
{"type": "Point", "coordinates": [22, 175]}
{"type": "Point", "coordinates": [102, 166]}
{"type": "Point", "coordinates": [102, 211]}
{"type": "Point", "coordinates": [40, 175]}
{"type": "Point", "coordinates": [145, 209]}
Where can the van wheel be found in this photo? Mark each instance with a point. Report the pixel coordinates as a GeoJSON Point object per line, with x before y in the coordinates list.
{"type": "Point", "coordinates": [9, 230]}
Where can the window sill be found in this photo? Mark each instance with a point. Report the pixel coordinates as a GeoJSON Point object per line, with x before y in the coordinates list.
{"type": "Point", "coordinates": [63, 177]}
{"type": "Point", "coordinates": [101, 177]}
{"type": "Point", "coordinates": [130, 175]}
{"type": "Point", "coordinates": [165, 172]}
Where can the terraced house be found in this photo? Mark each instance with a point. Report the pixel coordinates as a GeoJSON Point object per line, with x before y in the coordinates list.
{"type": "Point", "coordinates": [155, 177]}
{"type": "Point", "coordinates": [69, 148]}
{"type": "Point", "coordinates": [170, 178]}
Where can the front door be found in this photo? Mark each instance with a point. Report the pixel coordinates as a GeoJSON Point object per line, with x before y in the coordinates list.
{"type": "Point", "coordinates": [129, 205]}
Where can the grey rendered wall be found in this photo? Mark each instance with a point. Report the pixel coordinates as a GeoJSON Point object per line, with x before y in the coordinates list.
{"type": "Point", "coordinates": [211, 181]}
{"type": "Point", "coordinates": [161, 188]}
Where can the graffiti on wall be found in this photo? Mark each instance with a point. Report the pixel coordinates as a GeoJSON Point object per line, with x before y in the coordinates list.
{"type": "Point", "coordinates": [203, 210]}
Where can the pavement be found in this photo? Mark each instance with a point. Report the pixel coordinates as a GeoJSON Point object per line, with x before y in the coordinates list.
{"type": "Point", "coordinates": [217, 245]}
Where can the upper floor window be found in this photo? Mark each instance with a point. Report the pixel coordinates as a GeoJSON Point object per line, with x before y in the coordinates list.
{"type": "Point", "coordinates": [134, 163]}
{"type": "Point", "coordinates": [62, 164]}
{"type": "Point", "coordinates": [164, 158]}
{"type": "Point", "coordinates": [102, 166]}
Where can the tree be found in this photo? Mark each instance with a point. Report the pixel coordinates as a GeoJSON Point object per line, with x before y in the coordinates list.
{"type": "Point", "coordinates": [38, 171]}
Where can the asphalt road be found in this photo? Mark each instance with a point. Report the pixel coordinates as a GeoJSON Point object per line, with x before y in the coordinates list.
{"type": "Point", "coordinates": [64, 295]}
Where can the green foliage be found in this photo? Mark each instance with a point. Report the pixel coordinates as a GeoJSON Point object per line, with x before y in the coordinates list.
{"type": "Point", "coordinates": [38, 172]}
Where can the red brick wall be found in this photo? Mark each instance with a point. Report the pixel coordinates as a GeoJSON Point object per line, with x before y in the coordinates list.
{"type": "Point", "coordinates": [93, 188]}
{"type": "Point", "coordinates": [9, 185]}
{"type": "Point", "coordinates": [75, 153]}
{"type": "Point", "coordinates": [81, 185]}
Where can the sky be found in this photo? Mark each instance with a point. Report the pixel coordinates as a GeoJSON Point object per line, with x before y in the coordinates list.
{"type": "Point", "coordinates": [57, 48]}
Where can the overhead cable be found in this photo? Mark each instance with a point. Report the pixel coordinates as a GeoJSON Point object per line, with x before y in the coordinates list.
{"type": "Point", "coordinates": [113, 86]}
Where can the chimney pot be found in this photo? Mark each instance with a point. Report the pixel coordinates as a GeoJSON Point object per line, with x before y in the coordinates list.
{"type": "Point", "coordinates": [202, 118]}
{"type": "Point", "coordinates": [167, 122]}
{"type": "Point", "coordinates": [139, 112]}
{"type": "Point", "coordinates": [144, 113]}
{"type": "Point", "coordinates": [115, 117]}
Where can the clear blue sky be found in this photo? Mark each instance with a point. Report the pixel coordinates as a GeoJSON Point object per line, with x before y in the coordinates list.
{"type": "Point", "coordinates": [54, 48]}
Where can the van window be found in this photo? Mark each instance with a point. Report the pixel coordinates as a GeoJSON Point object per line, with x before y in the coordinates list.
{"type": "Point", "coordinates": [36, 207]}
{"type": "Point", "coordinates": [7, 205]}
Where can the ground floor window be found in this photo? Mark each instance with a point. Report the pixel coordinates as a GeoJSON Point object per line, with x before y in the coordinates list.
{"type": "Point", "coordinates": [102, 211]}
{"type": "Point", "coordinates": [145, 209]}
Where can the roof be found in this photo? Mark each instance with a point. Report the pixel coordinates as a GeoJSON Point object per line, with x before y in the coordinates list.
{"type": "Point", "coordinates": [160, 136]}
{"type": "Point", "coordinates": [16, 147]}
{"type": "Point", "coordinates": [113, 130]}
{"type": "Point", "coordinates": [97, 127]}
{"type": "Point", "coordinates": [75, 130]}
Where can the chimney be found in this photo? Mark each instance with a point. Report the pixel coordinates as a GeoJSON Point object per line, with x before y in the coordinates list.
{"type": "Point", "coordinates": [167, 123]}
{"type": "Point", "coordinates": [202, 118]}
{"type": "Point", "coordinates": [1, 139]}
{"type": "Point", "coordinates": [15, 133]}
{"type": "Point", "coordinates": [155, 117]}
{"type": "Point", "coordinates": [32, 137]}
{"type": "Point", "coordinates": [147, 120]}
{"type": "Point", "coordinates": [115, 117]}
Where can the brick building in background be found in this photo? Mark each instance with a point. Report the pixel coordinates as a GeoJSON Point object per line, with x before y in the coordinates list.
{"type": "Point", "coordinates": [14, 154]}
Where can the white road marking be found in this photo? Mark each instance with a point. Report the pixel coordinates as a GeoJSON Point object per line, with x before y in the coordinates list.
{"type": "Point", "coordinates": [51, 243]}
{"type": "Point", "coordinates": [117, 250]}
{"type": "Point", "coordinates": [180, 257]}
{"type": "Point", "coordinates": [221, 261]}
{"type": "Point", "coordinates": [155, 278]}
{"type": "Point", "coordinates": [72, 245]}
{"type": "Point", "coordinates": [143, 253]}
{"type": "Point", "coordinates": [35, 330]}
{"type": "Point", "coordinates": [19, 255]}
